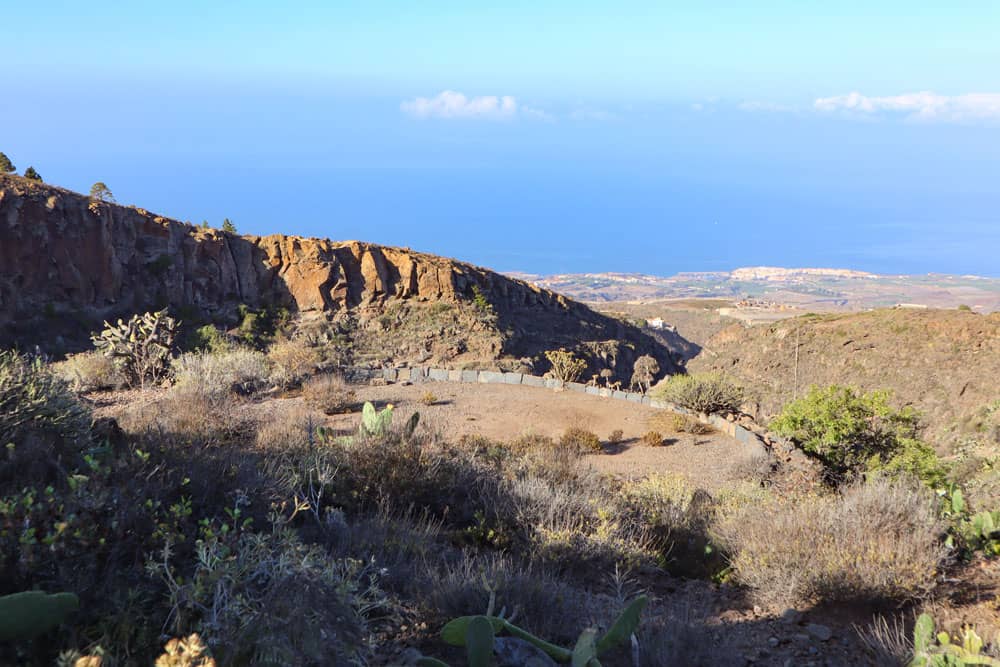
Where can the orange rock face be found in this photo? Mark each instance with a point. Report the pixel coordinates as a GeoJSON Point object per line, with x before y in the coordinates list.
{"type": "Point", "coordinates": [61, 252]}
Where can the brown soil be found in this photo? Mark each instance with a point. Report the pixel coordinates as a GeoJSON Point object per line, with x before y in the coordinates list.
{"type": "Point", "coordinates": [506, 412]}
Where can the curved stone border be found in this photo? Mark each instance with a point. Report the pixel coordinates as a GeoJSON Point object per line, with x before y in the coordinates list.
{"type": "Point", "coordinates": [420, 374]}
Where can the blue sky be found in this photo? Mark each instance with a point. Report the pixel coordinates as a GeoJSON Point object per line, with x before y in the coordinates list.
{"type": "Point", "coordinates": [543, 136]}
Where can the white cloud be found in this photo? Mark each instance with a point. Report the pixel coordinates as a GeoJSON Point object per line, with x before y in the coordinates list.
{"type": "Point", "coordinates": [451, 104]}
{"type": "Point", "coordinates": [922, 106]}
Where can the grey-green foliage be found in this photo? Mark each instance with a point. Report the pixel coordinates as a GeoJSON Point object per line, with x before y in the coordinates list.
{"type": "Point", "coordinates": [32, 397]}
{"type": "Point", "coordinates": [465, 630]}
{"type": "Point", "coordinates": [140, 347]}
{"type": "Point", "coordinates": [930, 650]}
{"type": "Point", "coordinates": [31, 613]}
{"type": "Point", "coordinates": [703, 392]}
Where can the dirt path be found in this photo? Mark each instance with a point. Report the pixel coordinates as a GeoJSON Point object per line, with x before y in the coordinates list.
{"type": "Point", "coordinates": [505, 412]}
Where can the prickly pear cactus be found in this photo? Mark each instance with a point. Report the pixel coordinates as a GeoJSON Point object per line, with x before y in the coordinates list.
{"type": "Point", "coordinates": [31, 613]}
{"type": "Point", "coordinates": [375, 422]}
{"type": "Point", "coordinates": [141, 347]}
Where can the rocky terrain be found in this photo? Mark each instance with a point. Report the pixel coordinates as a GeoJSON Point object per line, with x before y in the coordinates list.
{"type": "Point", "coordinates": [943, 362]}
{"type": "Point", "coordinates": [67, 262]}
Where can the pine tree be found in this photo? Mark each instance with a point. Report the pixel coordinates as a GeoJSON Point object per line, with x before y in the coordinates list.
{"type": "Point", "coordinates": [101, 192]}
{"type": "Point", "coordinates": [6, 166]}
{"type": "Point", "coordinates": [228, 226]}
{"type": "Point", "coordinates": [32, 175]}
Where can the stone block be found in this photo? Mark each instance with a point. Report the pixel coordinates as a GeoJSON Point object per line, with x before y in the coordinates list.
{"type": "Point", "coordinates": [576, 386]}
{"type": "Point", "coordinates": [470, 376]}
{"type": "Point", "coordinates": [553, 383]}
{"type": "Point", "coordinates": [646, 400]}
{"type": "Point", "coordinates": [633, 397]}
{"type": "Point", "coordinates": [490, 377]}
{"type": "Point", "coordinates": [512, 378]}
{"type": "Point", "coordinates": [454, 376]}
{"type": "Point", "coordinates": [532, 381]}
{"type": "Point", "coordinates": [620, 395]}
{"type": "Point", "coordinates": [438, 374]}
{"type": "Point", "coordinates": [390, 374]}
{"type": "Point", "coordinates": [593, 391]}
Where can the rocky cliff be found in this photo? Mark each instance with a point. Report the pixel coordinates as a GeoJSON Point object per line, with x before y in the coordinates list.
{"type": "Point", "coordinates": [65, 259]}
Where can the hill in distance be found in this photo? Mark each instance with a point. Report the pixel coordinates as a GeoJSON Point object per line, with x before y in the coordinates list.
{"type": "Point", "coordinates": [807, 288]}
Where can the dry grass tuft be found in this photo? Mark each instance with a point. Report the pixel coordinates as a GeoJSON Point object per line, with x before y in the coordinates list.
{"type": "Point", "coordinates": [292, 361]}
{"type": "Point", "coordinates": [582, 440]}
{"type": "Point", "coordinates": [878, 540]}
{"type": "Point", "coordinates": [330, 394]}
{"type": "Point", "coordinates": [653, 439]}
{"type": "Point", "coordinates": [217, 373]}
{"type": "Point", "coordinates": [88, 371]}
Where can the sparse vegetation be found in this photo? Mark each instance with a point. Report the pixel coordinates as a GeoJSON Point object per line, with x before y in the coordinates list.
{"type": "Point", "coordinates": [228, 226]}
{"type": "Point", "coordinates": [644, 372]}
{"type": "Point", "coordinates": [429, 398]}
{"type": "Point", "coordinates": [292, 361]}
{"type": "Point", "coordinates": [703, 392]}
{"type": "Point", "coordinates": [101, 192]}
{"type": "Point", "coordinates": [876, 540]}
{"type": "Point", "coordinates": [581, 440]}
{"type": "Point", "coordinates": [653, 439]}
{"type": "Point", "coordinates": [88, 371]}
{"type": "Point", "coordinates": [237, 370]}
{"type": "Point", "coordinates": [32, 175]}
{"type": "Point", "coordinates": [566, 367]}
{"type": "Point", "coordinates": [329, 393]}
{"type": "Point", "coordinates": [6, 166]}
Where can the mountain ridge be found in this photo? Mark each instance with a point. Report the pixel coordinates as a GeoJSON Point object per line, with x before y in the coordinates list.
{"type": "Point", "coordinates": [103, 260]}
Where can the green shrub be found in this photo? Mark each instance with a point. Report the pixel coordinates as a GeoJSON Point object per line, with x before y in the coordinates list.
{"type": "Point", "coordinates": [703, 392]}
{"type": "Point", "coordinates": [851, 432]}
{"type": "Point", "coordinates": [32, 398]}
{"type": "Point", "coordinates": [207, 338]}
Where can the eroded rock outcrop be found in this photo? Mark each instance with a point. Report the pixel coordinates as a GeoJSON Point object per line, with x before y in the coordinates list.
{"type": "Point", "coordinates": [62, 254]}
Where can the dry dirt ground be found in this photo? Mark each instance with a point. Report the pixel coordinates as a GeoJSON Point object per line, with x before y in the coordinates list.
{"type": "Point", "coordinates": [506, 412]}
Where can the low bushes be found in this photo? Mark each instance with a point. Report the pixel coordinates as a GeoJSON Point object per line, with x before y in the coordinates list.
{"type": "Point", "coordinates": [33, 399]}
{"type": "Point", "coordinates": [879, 540]}
{"type": "Point", "coordinates": [292, 361]}
{"type": "Point", "coordinates": [703, 392]}
{"type": "Point", "coordinates": [239, 369]}
{"type": "Point", "coordinates": [853, 432]}
{"type": "Point", "coordinates": [329, 393]}
{"type": "Point", "coordinates": [88, 371]}
{"type": "Point", "coordinates": [581, 439]}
